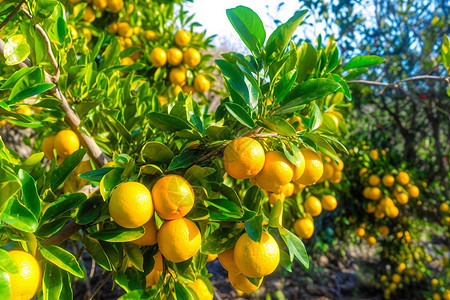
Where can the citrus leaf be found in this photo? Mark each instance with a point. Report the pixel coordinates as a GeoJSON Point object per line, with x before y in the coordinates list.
{"type": "Point", "coordinates": [16, 49]}
{"type": "Point", "coordinates": [62, 259]}
{"type": "Point", "coordinates": [119, 234]}
{"type": "Point", "coordinates": [363, 61]}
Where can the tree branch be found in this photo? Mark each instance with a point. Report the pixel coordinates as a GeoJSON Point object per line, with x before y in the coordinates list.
{"type": "Point", "coordinates": [71, 118]}
{"type": "Point", "coordinates": [12, 14]}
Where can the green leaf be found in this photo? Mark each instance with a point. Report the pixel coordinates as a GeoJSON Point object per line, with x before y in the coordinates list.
{"type": "Point", "coordinates": [156, 152]}
{"type": "Point", "coordinates": [279, 125]}
{"type": "Point", "coordinates": [284, 86]}
{"type": "Point", "coordinates": [279, 39]}
{"type": "Point", "coordinates": [308, 91]}
{"type": "Point", "coordinates": [166, 122]}
{"type": "Point", "coordinates": [67, 166]}
{"type": "Point", "coordinates": [7, 264]}
{"type": "Point", "coordinates": [235, 82]}
{"type": "Point", "coordinates": [249, 27]}
{"type": "Point", "coordinates": [185, 159]}
{"type": "Point", "coordinates": [91, 209]}
{"type": "Point", "coordinates": [240, 114]}
{"type": "Point", "coordinates": [307, 60]}
{"type": "Point", "coordinates": [135, 255]}
{"type": "Point", "coordinates": [285, 261]}
{"type": "Point", "coordinates": [219, 133]}
{"type": "Point", "coordinates": [296, 157]}
{"type": "Point", "coordinates": [62, 259]}
{"type": "Point", "coordinates": [322, 144]}
{"type": "Point", "coordinates": [64, 203]}
{"type": "Point", "coordinates": [5, 287]}
{"type": "Point", "coordinates": [18, 216]}
{"type": "Point", "coordinates": [445, 52]}
{"type": "Point", "coordinates": [355, 73]}
{"type": "Point", "coordinates": [95, 250]}
{"type": "Point", "coordinates": [110, 181]}
{"type": "Point", "coordinates": [253, 227]}
{"type": "Point", "coordinates": [276, 215]}
{"type": "Point", "coordinates": [119, 234]}
{"type": "Point", "coordinates": [223, 209]}
{"type": "Point", "coordinates": [197, 173]}
{"type": "Point", "coordinates": [316, 117]}
{"type": "Point", "coordinates": [16, 49]}
{"type": "Point", "coordinates": [29, 193]}
{"type": "Point", "coordinates": [96, 175]}
{"type": "Point", "coordinates": [30, 92]}
{"type": "Point", "coordinates": [220, 240]}
{"type": "Point", "coordinates": [363, 61]}
{"type": "Point", "coordinates": [19, 74]}
{"type": "Point", "coordinates": [295, 246]}
{"type": "Point", "coordinates": [32, 161]}
{"type": "Point", "coordinates": [51, 282]}
{"type": "Point", "coordinates": [44, 9]}
{"type": "Point", "coordinates": [253, 197]}
{"type": "Point", "coordinates": [181, 292]}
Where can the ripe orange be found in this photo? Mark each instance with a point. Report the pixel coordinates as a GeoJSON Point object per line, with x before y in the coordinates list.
{"type": "Point", "coordinates": [256, 260]}
{"type": "Point", "coordinates": [299, 169]}
{"type": "Point", "coordinates": [126, 61]}
{"type": "Point", "coordinates": [178, 75]}
{"type": "Point", "coordinates": [313, 167]}
{"type": "Point", "coordinates": [329, 202]}
{"type": "Point", "coordinates": [313, 206]}
{"type": "Point", "coordinates": [158, 57]}
{"type": "Point", "coordinates": [363, 172]}
{"type": "Point", "coordinates": [241, 283]}
{"type": "Point", "coordinates": [384, 230]}
{"type": "Point", "coordinates": [328, 172]}
{"type": "Point", "coordinates": [243, 158]}
{"type": "Point", "coordinates": [403, 178]}
{"type": "Point", "coordinates": [339, 166]}
{"type": "Point", "coordinates": [112, 28]}
{"type": "Point", "coordinates": [153, 277]}
{"type": "Point", "coordinates": [402, 198]}
{"type": "Point", "coordinates": [413, 191]}
{"type": "Point", "coordinates": [150, 35]}
{"type": "Point", "coordinates": [226, 259]}
{"type": "Point", "coordinates": [375, 193]}
{"type": "Point", "coordinates": [336, 178]}
{"type": "Point", "coordinates": [179, 239]}
{"type": "Point", "coordinates": [131, 204]}
{"type": "Point", "coordinates": [371, 240]}
{"type": "Point", "coordinates": [212, 257]}
{"type": "Point", "coordinates": [273, 198]}
{"type": "Point", "coordinates": [391, 211]}
{"type": "Point", "coordinates": [188, 89]}
{"type": "Point", "coordinates": [48, 144]}
{"type": "Point", "coordinates": [115, 5]}
{"type": "Point", "coordinates": [66, 142]}
{"type": "Point", "coordinates": [149, 237]}
{"type": "Point", "coordinates": [396, 278]}
{"type": "Point", "coordinates": [288, 189]}
{"type": "Point", "coordinates": [388, 180]}
{"type": "Point", "coordinates": [276, 172]}
{"type": "Point", "coordinates": [192, 57]}
{"type": "Point", "coordinates": [360, 232]}
{"type": "Point", "coordinates": [304, 228]}
{"type": "Point", "coordinates": [371, 207]}
{"type": "Point", "coordinates": [444, 207]}
{"type": "Point", "coordinates": [201, 289]}
{"type": "Point", "coordinates": [374, 155]}
{"type": "Point", "coordinates": [26, 282]}
{"type": "Point", "coordinates": [201, 83]}
{"type": "Point", "coordinates": [374, 180]}
{"type": "Point", "coordinates": [182, 38]}
{"type": "Point", "coordinates": [174, 56]}
{"type": "Point", "coordinates": [173, 197]}
{"type": "Point", "coordinates": [176, 90]}
{"type": "Point", "coordinates": [124, 29]}
{"type": "Point", "coordinates": [89, 14]}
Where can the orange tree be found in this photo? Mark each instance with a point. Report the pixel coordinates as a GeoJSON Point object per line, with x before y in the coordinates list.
{"type": "Point", "coordinates": [149, 189]}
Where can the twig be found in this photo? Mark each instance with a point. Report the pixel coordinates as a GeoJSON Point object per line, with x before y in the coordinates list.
{"type": "Point", "coordinates": [63, 234]}
{"type": "Point", "coordinates": [48, 45]}
{"type": "Point", "coordinates": [265, 135]}
{"type": "Point", "coordinates": [101, 285]}
{"type": "Point", "coordinates": [397, 83]}
{"type": "Point", "coordinates": [12, 14]}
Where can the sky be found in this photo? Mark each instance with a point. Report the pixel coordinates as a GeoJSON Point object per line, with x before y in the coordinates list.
{"type": "Point", "coordinates": [212, 15]}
